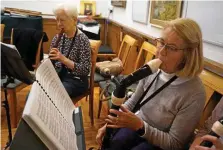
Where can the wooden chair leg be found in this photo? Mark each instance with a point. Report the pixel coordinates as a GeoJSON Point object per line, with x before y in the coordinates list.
{"type": "Point", "coordinates": [99, 108]}
{"type": "Point", "coordinates": [89, 112]}
{"type": "Point", "coordinates": [100, 102]}
{"type": "Point", "coordinates": [12, 106]}
{"type": "Point", "coordinates": [91, 106]}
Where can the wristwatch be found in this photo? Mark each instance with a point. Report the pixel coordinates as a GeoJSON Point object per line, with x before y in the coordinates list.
{"type": "Point", "coordinates": [141, 131]}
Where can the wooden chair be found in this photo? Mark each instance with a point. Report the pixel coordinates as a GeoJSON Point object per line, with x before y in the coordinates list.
{"type": "Point", "coordinates": [17, 86]}
{"type": "Point", "coordinates": [213, 84]}
{"type": "Point", "coordinates": [2, 32]}
{"type": "Point", "coordinates": [127, 45]}
{"type": "Point", "coordinates": [147, 52]}
{"type": "Point", "coordinates": [94, 47]}
{"type": "Point", "coordinates": [106, 52]}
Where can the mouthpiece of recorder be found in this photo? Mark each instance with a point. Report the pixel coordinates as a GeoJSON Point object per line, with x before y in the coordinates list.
{"type": "Point", "coordinates": [154, 64]}
{"type": "Point", "coordinates": [117, 101]}
{"type": "Point", "coordinates": [218, 128]}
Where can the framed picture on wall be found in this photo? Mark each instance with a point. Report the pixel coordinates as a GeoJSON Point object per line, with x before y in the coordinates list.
{"type": "Point", "coordinates": [140, 15]}
{"type": "Point", "coordinates": [162, 11]}
{"type": "Point", "coordinates": [119, 3]}
{"type": "Point", "coordinates": [87, 8]}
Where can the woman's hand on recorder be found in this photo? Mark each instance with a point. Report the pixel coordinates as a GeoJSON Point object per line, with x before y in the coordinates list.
{"type": "Point", "coordinates": [216, 142]}
{"type": "Point", "coordinates": [124, 119]}
{"type": "Point", "coordinates": [55, 54]}
{"type": "Point", "coordinates": [100, 134]}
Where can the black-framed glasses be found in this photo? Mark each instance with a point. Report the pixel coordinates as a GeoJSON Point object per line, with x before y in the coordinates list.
{"type": "Point", "coordinates": [159, 42]}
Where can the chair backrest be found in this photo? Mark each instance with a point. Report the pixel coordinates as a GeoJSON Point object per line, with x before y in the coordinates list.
{"type": "Point", "coordinates": [213, 85]}
{"type": "Point", "coordinates": [128, 43]}
{"type": "Point", "coordinates": [2, 32]}
{"type": "Point", "coordinates": [95, 44]}
{"type": "Point", "coordinates": [147, 52]}
{"type": "Point", "coordinates": [38, 52]}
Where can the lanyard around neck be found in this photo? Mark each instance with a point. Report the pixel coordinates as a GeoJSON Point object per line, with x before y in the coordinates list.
{"type": "Point", "coordinates": [71, 45]}
{"type": "Point", "coordinates": [140, 103]}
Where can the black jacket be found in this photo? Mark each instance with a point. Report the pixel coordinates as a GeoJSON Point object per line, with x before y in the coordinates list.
{"type": "Point", "coordinates": [27, 42]}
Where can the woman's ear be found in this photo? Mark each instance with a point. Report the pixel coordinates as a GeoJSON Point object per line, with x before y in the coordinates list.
{"type": "Point", "coordinates": [75, 20]}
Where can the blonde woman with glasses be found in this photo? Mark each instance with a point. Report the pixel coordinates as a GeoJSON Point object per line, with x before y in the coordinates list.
{"type": "Point", "coordinates": [167, 120]}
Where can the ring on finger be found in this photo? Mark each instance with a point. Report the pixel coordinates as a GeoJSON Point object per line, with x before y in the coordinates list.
{"type": "Point", "coordinates": [116, 122]}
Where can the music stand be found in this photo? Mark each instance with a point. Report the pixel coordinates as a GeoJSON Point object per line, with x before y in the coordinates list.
{"type": "Point", "coordinates": [14, 67]}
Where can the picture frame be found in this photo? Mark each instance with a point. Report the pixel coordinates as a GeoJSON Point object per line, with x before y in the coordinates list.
{"type": "Point", "coordinates": [119, 3]}
{"type": "Point", "coordinates": [163, 11]}
{"type": "Point", "coordinates": [88, 8]}
{"type": "Point", "coordinates": [140, 15]}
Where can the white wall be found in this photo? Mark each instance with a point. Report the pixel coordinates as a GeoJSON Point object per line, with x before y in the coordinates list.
{"type": "Point", "coordinates": [124, 17]}
{"type": "Point", "coordinates": [46, 6]}
{"type": "Point", "coordinates": [121, 15]}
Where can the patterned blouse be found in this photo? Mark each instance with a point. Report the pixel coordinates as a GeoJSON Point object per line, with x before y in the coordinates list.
{"type": "Point", "coordinates": [80, 53]}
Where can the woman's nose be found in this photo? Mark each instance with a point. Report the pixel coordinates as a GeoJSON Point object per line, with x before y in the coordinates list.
{"type": "Point", "coordinates": [59, 23]}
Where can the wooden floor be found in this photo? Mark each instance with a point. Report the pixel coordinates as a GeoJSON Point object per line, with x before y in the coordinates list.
{"type": "Point", "coordinates": [90, 131]}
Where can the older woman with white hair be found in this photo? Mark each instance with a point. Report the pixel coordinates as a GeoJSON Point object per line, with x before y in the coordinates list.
{"type": "Point", "coordinates": [70, 51]}
{"type": "Point", "coordinates": [169, 118]}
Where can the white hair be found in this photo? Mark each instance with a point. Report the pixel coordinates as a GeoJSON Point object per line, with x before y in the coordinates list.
{"type": "Point", "coordinates": [70, 9]}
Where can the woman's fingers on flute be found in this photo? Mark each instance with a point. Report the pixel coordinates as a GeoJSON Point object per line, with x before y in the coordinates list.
{"type": "Point", "coordinates": [54, 51]}
{"type": "Point", "coordinates": [53, 56]}
{"type": "Point", "coordinates": [109, 121]}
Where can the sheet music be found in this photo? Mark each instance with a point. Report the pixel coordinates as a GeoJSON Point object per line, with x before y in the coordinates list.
{"type": "Point", "coordinates": [48, 78]}
{"type": "Point", "coordinates": [45, 115]}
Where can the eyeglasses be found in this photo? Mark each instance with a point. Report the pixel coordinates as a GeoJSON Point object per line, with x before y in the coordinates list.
{"type": "Point", "coordinates": [159, 42]}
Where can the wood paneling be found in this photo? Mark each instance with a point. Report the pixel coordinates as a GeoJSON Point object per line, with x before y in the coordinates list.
{"type": "Point", "coordinates": [51, 29]}
{"type": "Point", "coordinates": [2, 31]}
{"type": "Point", "coordinates": [113, 37]}
{"type": "Point", "coordinates": [132, 30]}
{"type": "Point", "coordinates": [101, 21]}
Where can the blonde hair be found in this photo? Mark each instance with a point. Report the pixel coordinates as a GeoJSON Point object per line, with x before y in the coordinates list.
{"type": "Point", "coordinates": [190, 32]}
{"type": "Point", "coordinates": [70, 9]}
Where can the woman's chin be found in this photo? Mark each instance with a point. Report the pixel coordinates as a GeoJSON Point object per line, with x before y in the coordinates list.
{"type": "Point", "coordinates": [161, 67]}
{"type": "Point", "coordinates": [164, 67]}
{"type": "Point", "coordinates": [62, 29]}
